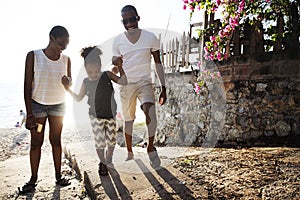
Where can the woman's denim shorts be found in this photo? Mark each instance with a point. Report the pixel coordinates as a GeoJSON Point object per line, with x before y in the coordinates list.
{"type": "Point", "coordinates": [40, 110]}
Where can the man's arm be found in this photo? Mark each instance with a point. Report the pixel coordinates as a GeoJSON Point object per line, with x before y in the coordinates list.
{"type": "Point", "coordinates": [159, 68]}
{"type": "Point", "coordinates": [161, 77]}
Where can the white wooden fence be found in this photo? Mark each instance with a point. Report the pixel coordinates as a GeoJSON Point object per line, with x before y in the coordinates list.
{"type": "Point", "coordinates": [180, 54]}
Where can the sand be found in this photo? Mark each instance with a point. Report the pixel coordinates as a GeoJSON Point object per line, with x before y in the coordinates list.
{"type": "Point", "coordinates": [15, 142]}
{"type": "Point", "coordinates": [201, 173]}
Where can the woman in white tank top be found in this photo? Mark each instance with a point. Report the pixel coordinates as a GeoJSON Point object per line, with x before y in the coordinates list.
{"type": "Point", "coordinates": [44, 96]}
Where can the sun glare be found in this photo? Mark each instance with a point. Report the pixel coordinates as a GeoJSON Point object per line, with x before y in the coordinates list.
{"type": "Point", "coordinates": [69, 116]}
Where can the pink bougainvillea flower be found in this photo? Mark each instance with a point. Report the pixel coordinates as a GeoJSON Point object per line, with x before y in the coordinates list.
{"type": "Point", "coordinates": [206, 49]}
{"type": "Point", "coordinates": [232, 11]}
{"type": "Point", "coordinates": [219, 56]}
{"type": "Point", "coordinates": [197, 88]}
{"type": "Point", "coordinates": [214, 9]}
{"type": "Point", "coordinates": [233, 22]}
{"type": "Point", "coordinates": [212, 38]}
{"type": "Point", "coordinates": [199, 64]}
{"type": "Point", "coordinates": [221, 34]}
{"type": "Point", "coordinates": [205, 76]}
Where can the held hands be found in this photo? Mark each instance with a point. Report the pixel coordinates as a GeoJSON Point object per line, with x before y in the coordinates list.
{"type": "Point", "coordinates": [66, 81]}
{"type": "Point", "coordinates": [117, 61]}
{"type": "Point", "coordinates": [115, 69]}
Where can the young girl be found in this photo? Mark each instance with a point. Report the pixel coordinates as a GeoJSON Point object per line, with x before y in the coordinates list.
{"type": "Point", "coordinates": [44, 96]}
{"type": "Point", "coordinates": [102, 111]}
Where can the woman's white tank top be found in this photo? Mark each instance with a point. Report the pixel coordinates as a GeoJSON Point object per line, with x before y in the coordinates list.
{"type": "Point", "coordinates": [47, 86]}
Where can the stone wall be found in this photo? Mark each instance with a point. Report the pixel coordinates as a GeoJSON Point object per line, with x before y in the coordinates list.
{"type": "Point", "coordinates": [256, 104]}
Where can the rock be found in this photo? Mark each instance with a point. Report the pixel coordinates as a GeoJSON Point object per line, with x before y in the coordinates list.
{"type": "Point", "coordinates": [233, 133]}
{"type": "Point", "coordinates": [268, 133]}
{"type": "Point", "coordinates": [282, 128]}
{"type": "Point", "coordinates": [190, 138]}
{"type": "Point", "coordinates": [243, 121]}
{"type": "Point", "coordinates": [252, 134]}
{"type": "Point", "coordinates": [261, 87]}
{"type": "Point", "coordinates": [218, 116]}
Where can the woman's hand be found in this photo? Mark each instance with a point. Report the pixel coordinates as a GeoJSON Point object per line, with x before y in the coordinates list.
{"type": "Point", "coordinates": [30, 122]}
{"type": "Point", "coordinates": [66, 81]}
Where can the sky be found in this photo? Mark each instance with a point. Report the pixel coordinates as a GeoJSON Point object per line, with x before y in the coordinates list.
{"type": "Point", "coordinates": [25, 26]}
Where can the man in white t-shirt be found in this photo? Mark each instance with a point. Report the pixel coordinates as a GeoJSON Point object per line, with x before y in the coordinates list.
{"type": "Point", "coordinates": [133, 49]}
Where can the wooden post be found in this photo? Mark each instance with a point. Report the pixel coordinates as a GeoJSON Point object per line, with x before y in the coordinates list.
{"type": "Point", "coordinates": [183, 50]}
{"type": "Point", "coordinates": [259, 45]}
{"type": "Point", "coordinates": [246, 38]}
{"type": "Point", "coordinates": [177, 54]}
{"type": "Point", "coordinates": [205, 25]}
{"type": "Point", "coordinates": [280, 24]}
{"type": "Point", "coordinates": [188, 49]}
{"type": "Point", "coordinates": [162, 54]}
{"type": "Point", "coordinates": [200, 44]}
{"type": "Point", "coordinates": [170, 54]}
{"type": "Point", "coordinates": [211, 22]}
{"type": "Point", "coordinates": [256, 38]}
{"type": "Point", "coordinates": [173, 55]}
{"type": "Point", "coordinates": [166, 55]}
{"type": "Point", "coordinates": [294, 19]}
{"type": "Point", "coordinates": [205, 19]}
{"type": "Point", "coordinates": [236, 42]}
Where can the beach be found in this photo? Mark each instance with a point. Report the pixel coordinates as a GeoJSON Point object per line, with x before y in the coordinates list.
{"type": "Point", "coordinates": [191, 173]}
{"type": "Point", "coordinates": [15, 168]}
{"type": "Point", "coordinates": [15, 141]}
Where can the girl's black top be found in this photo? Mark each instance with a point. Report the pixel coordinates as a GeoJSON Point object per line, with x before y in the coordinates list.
{"type": "Point", "coordinates": [101, 97]}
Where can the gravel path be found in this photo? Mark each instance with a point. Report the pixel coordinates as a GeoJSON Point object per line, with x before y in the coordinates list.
{"type": "Point", "coordinates": [252, 173]}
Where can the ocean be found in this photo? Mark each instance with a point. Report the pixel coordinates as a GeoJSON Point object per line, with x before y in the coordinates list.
{"type": "Point", "coordinates": [12, 101]}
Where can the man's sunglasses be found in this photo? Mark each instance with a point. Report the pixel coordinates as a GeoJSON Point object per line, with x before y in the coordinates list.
{"type": "Point", "coordinates": [130, 20]}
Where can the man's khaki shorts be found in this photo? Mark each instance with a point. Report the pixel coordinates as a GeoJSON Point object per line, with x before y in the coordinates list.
{"type": "Point", "coordinates": [142, 90]}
